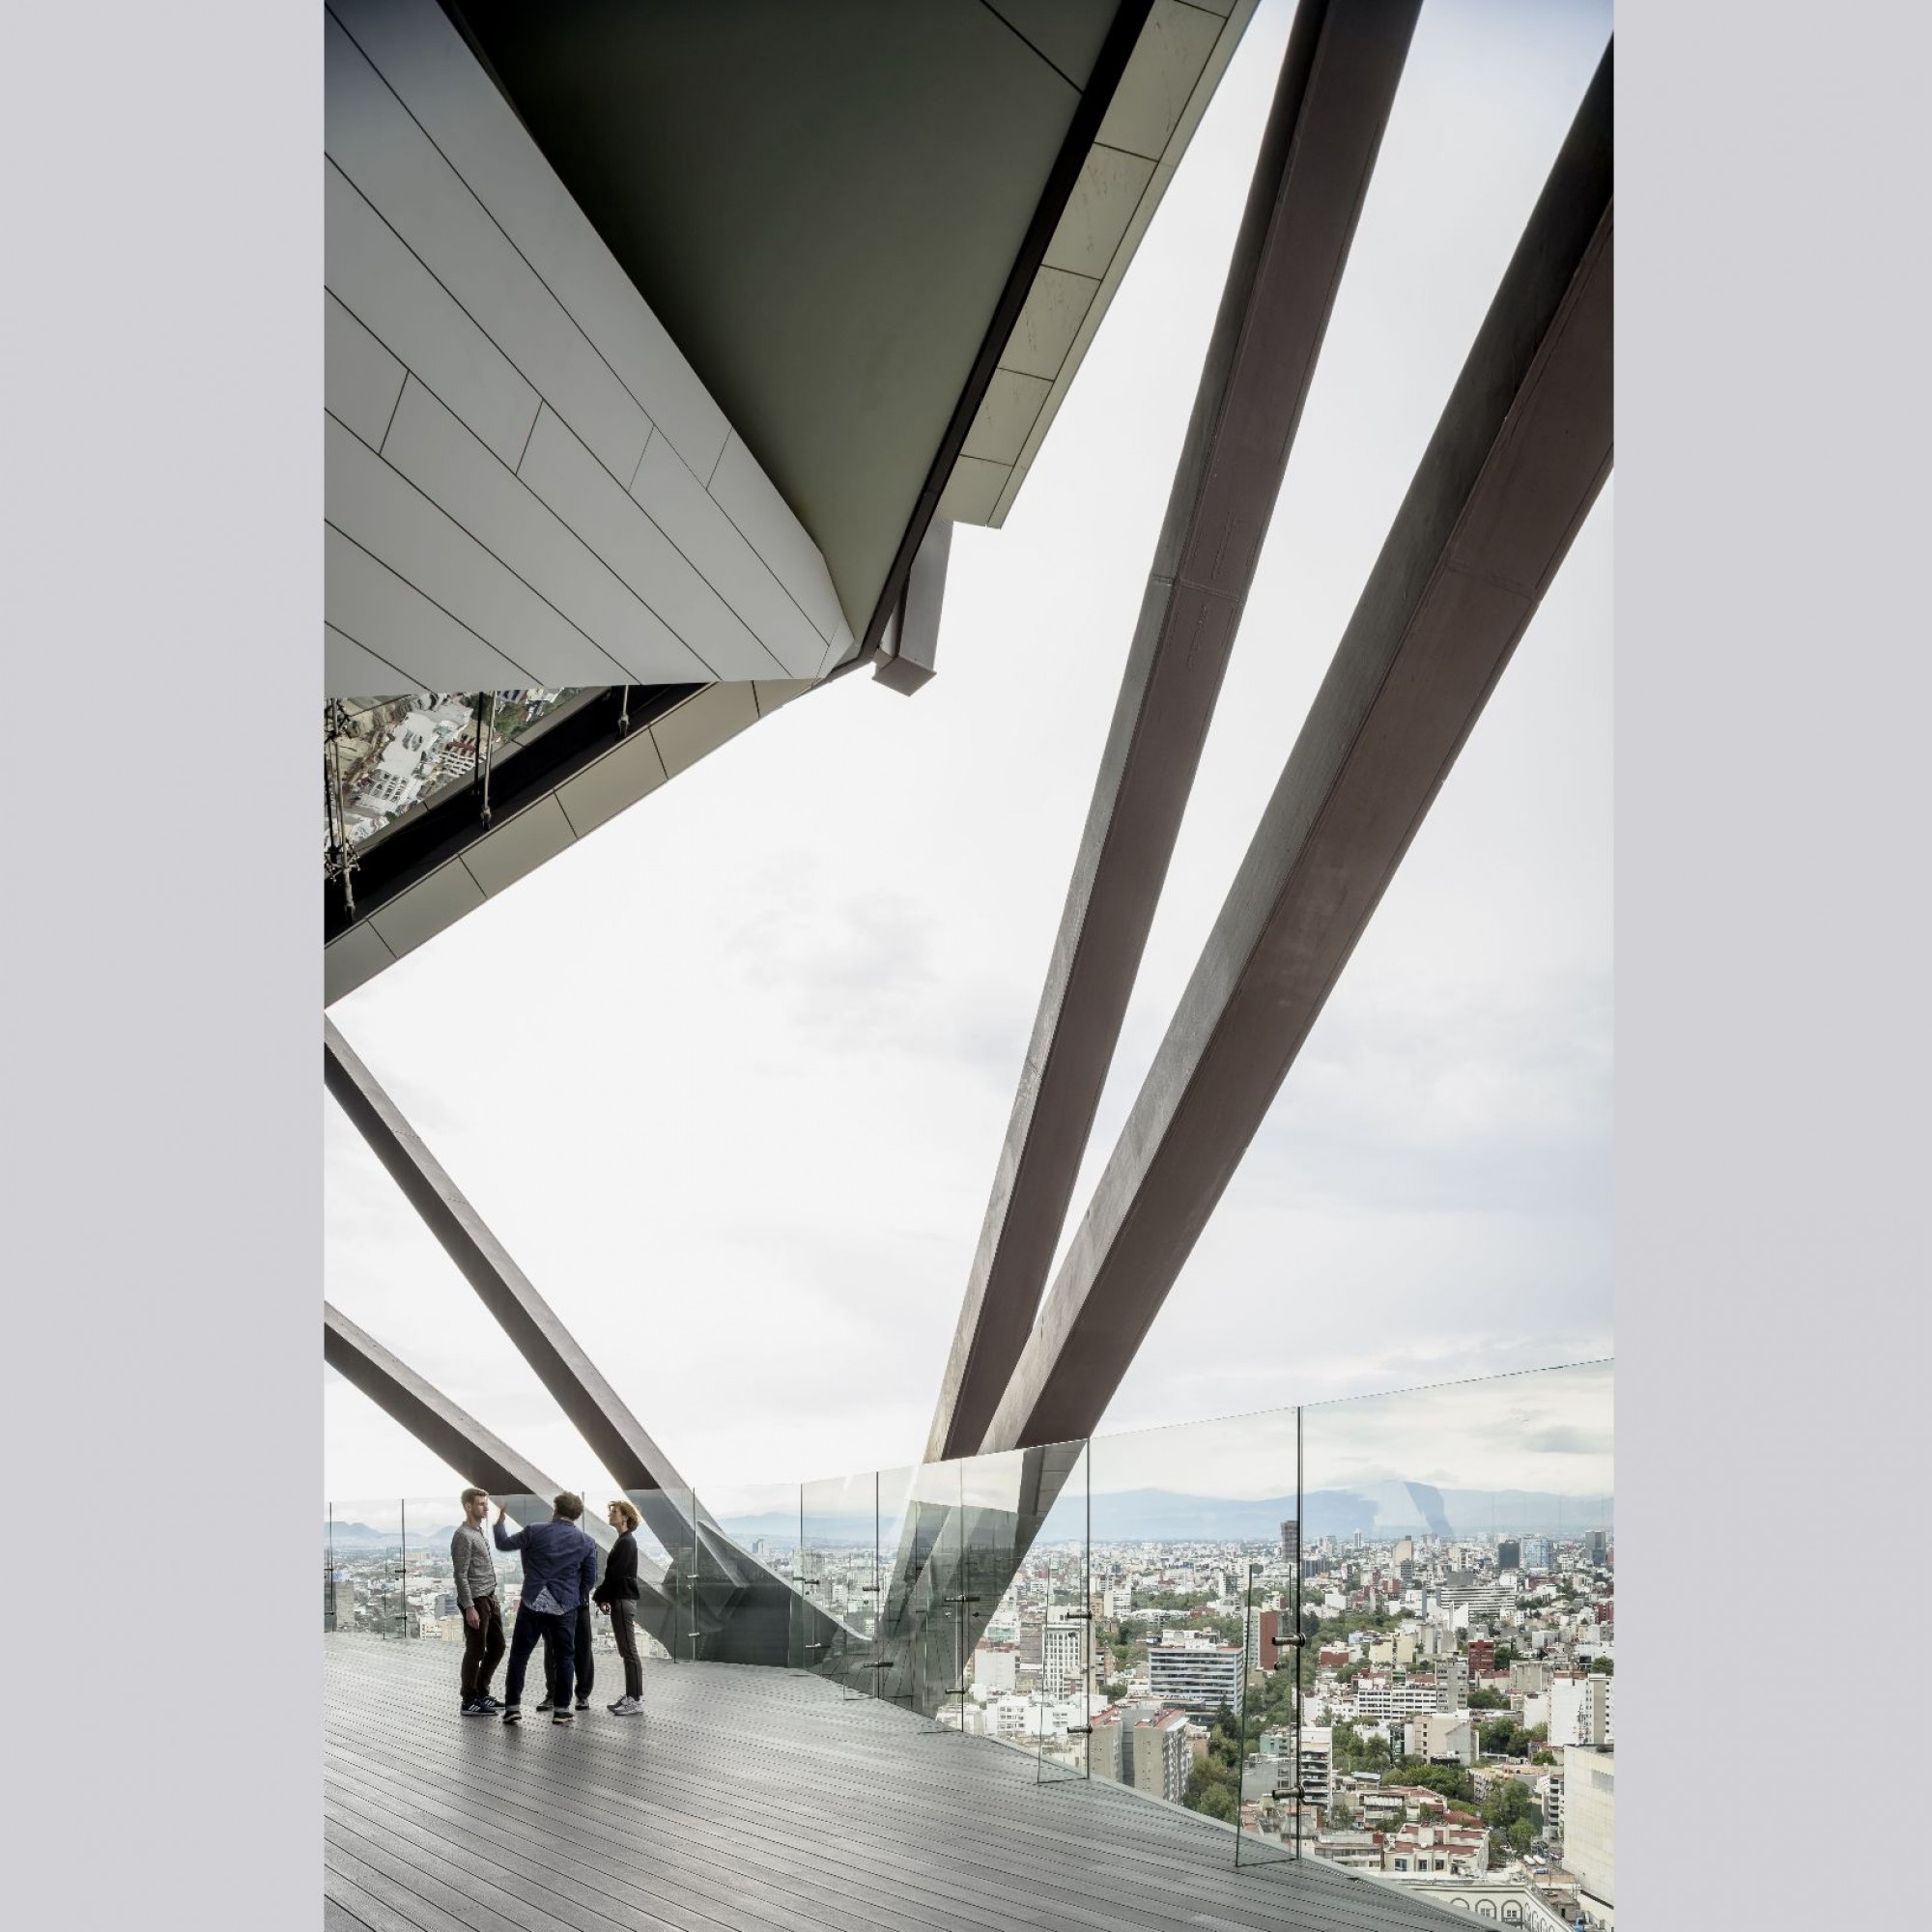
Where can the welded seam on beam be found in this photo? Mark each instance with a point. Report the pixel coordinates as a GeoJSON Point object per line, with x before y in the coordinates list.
{"type": "Point", "coordinates": [1338, 81]}
{"type": "Point", "coordinates": [1519, 455]}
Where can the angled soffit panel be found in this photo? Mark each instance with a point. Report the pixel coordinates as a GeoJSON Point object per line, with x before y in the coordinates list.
{"type": "Point", "coordinates": [1176, 66]}
{"type": "Point", "coordinates": [527, 484]}
{"type": "Point", "coordinates": [840, 214]}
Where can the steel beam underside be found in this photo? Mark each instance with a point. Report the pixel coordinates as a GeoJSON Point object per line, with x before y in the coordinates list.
{"type": "Point", "coordinates": [1338, 80]}
{"type": "Point", "coordinates": [1518, 459]}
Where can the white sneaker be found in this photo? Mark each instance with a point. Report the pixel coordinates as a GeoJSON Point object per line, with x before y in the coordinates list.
{"type": "Point", "coordinates": [627, 1707]}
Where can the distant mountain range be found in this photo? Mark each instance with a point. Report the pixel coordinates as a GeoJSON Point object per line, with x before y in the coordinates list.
{"type": "Point", "coordinates": [1380, 1510]}
{"type": "Point", "coordinates": [355, 1536]}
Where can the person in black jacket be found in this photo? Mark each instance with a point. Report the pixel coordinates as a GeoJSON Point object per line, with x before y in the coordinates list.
{"type": "Point", "coordinates": [617, 1596]}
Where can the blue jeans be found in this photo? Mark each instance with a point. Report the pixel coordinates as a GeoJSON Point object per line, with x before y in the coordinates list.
{"type": "Point", "coordinates": [558, 1632]}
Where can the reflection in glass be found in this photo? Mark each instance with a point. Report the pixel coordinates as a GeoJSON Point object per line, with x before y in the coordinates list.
{"type": "Point", "coordinates": [386, 758]}
{"type": "Point", "coordinates": [747, 1607]}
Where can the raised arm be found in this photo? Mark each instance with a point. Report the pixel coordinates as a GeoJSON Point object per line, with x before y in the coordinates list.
{"type": "Point", "coordinates": [513, 1540]}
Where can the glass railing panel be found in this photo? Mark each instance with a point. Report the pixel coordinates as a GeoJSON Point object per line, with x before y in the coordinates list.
{"type": "Point", "coordinates": [329, 1570]}
{"type": "Point", "coordinates": [1452, 1704]}
{"type": "Point", "coordinates": [364, 1594]}
{"type": "Point", "coordinates": [933, 1551]}
{"type": "Point", "coordinates": [1190, 1524]}
{"type": "Point", "coordinates": [1060, 1573]}
{"type": "Point", "coordinates": [839, 1577]}
{"type": "Point", "coordinates": [997, 1600]}
{"type": "Point", "coordinates": [429, 1610]}
{"type": "Point", "coordinates": [666, 1612]}
{"type": "Point", "coordinates": [891, 1671]}
{"type": "Point", "coordinates": [749, 1608]}
{"type": "Point", "coordinates": [662, 1537]}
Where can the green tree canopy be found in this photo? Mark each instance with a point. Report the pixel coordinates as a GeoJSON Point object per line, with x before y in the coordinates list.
{"type": "Point", "coordinates": [1450, 1779]}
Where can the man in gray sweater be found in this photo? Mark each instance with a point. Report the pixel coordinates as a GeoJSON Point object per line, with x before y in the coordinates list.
{"type": "Point", "coordinates": [475, 1571]}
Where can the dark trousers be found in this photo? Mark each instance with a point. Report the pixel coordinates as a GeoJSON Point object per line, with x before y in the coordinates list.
{"type": "Point", "coordinates": [585, 1671]}
{"type": "Point", "coordinates": [482, 1648]}
{"type": "Point", "coordinates": [553, 1628]}
{"type": "Point", "coordinates": [624, 1628]}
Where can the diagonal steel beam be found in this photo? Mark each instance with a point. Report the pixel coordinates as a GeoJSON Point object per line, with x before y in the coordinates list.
{"type": "Point", "coordinates": [1516, 462]}
{"type": "Point", "coordinates": [749, 1605]}
{"type": "Point", "coordinates": [434, 1420]}
{"type": "Point", "coordinates": [1337, 80]}
{"type": "Point", "coordinates": [573, 1380]}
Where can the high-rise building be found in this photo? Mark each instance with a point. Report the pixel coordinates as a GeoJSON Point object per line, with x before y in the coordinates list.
{"type": "Point", "coordinates": [1536, 1554]}
{"type": "Point", "coordinates": [1509, 1553]}
{"type": "Point", "coordinates": [1194, 1674]}
{"type": "Point", "coordinates": [1062, 1666]}
{"type": "Point", "coordinates": [1596, 1547]}
{"type": "Point", "coordinates": [1316, 1763]}
{"type": "Point", "coordinates": [995, 1667]}
{"type": "Point", "coordinates": [1291, 1541]}
{"type": "Point", "coordinates": [1442, 1737]}
{"type": "Point", "coordinates": [1582, 1710]}
{"type": "Point", "coordinates": [1105, 1748]}
{"type": "Point", "coordinates": [1161, 1756]}
{"type": "Point", "coordinates": [1590, 1826]}
{"type": "Point", "coordinates": [1265, 1641]}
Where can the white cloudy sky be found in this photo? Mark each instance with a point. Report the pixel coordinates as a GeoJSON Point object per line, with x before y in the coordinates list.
{"type": "Point", "coordinates": [730, 1077]}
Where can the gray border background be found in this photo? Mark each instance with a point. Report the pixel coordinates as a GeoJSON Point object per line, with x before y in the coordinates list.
{"type": "Point", "coordinates": [1770, 958]}
{"type": "Point", "coordinates": [162, 1262]}
{"type": "Point", "coordinates": [162, 1158]}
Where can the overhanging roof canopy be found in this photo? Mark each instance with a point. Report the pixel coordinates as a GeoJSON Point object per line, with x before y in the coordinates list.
{"type": "Point", "coordinates": [827, 206]}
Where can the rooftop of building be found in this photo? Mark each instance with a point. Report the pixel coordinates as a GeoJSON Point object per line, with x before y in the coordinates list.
{"type": "Point", "coordinates": [757, 1798]}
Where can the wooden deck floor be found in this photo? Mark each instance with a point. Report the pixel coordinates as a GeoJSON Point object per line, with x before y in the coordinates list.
{"type": "Point", "coordinates": [758, 1800]}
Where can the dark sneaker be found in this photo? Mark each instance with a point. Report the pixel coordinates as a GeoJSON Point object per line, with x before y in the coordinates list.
{"type": "Point", "coordinates": [545, 1705]}
{"type": "Point", "coordinates": [473, 1707]}
{"type": "Point", "coordinates": [488, 1704]}
{"type": "Point", "coordinates": [512, 1714]}
{"type": "Point", "coordinates": [560, 1718]}
{"type": "Point", "coordinates": [584, 1703]}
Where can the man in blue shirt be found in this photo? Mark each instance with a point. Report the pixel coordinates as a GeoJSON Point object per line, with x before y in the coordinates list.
{"type": "Point", "coordinates": [559, 1572]}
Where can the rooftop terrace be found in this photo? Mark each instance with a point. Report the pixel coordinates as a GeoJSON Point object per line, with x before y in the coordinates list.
{"type": "Point", "coordinates": [756, 1799]}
